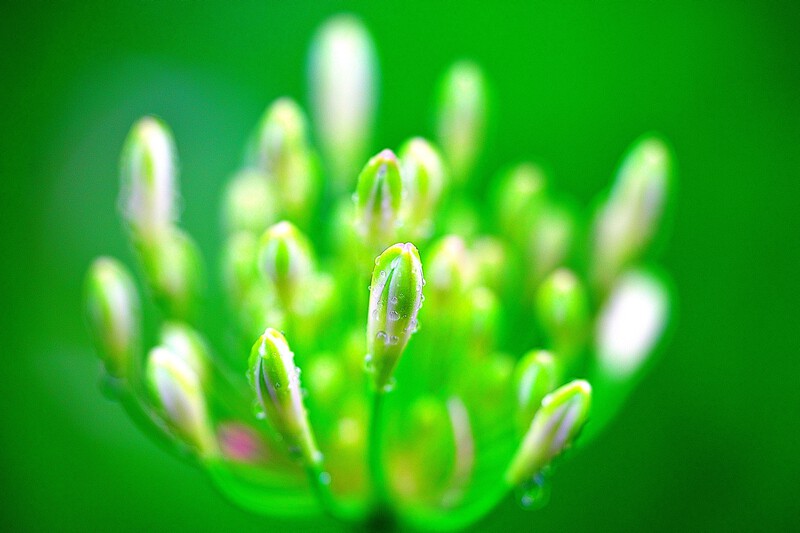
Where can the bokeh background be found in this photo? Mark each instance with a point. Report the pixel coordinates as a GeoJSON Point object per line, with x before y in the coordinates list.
{"type": "Point", "coordinates": [709, 441]}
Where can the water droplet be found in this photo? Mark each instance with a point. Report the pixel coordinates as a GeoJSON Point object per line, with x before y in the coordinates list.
{"type": "Point", "coordinates": [382, 274]}
{"type": "Point", "coordinates": [375, 314]}
{"type": "Point", "coordinates": [394, 339]}
{"type": "Point", "coordinates": [369, 365]}
{"type": "Point", "coordinates": [258, 411]}
{"type": "Point", "coordinates": [324, 478]}
{"type": "Point", "coordinates": [382, 336]}
{"type": "Point", "coordinates": [394, 315]}
{"type": "Point", "coordinates": [535, 493]}
{"type": "Point", "coordinates": [393, 299]}
{"type": "Point", "coordinates": [389, 387]}
{"type": "Point", "coordinates": [277, 384]}
{"type": "Point", "coordinates": [369, 288]}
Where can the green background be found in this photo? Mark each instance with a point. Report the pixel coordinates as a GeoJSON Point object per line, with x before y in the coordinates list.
{"type": "Point", "coordinates": [709, 441]}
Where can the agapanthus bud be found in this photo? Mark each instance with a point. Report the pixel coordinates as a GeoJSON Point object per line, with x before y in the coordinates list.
{"type": "Point", "coordinates": [174, 271]}
{"type": "Point", "coordinates": [112, 305]}
{"type": "Point", "coordinates": [534, 377]}
{"type": "Point", "coordinates": [449, 269]}
{"type": "Point", "coordinates": [490, 258]}
{"type": "Point", "coordinates": [250, 203]}
{"type": "Point", "coordinates": [189, 345]}
{"type": "Point", "coordinates": [631, 323]}
{"type": "Point", "coordinates": [483, 320]}
{"type": "Point", "coordinates": [379, 196]}
{"type": "Point", "coordinates": [550, 241]}
{"type": "Point", "coordinates": [276, 382]}
{"type": "Point", "coordinates": [562, 307]}
{"type": "Point", "coordinates": [286, 258]}
{"type": "Point", "coordinates": [518, 199]}
{"type": "Point", "coordinates": [629, 219]}
{"type": "Point", "coordinates": [149, 192]}
{"type": "Point", "coordinates": [424, 179]}
{"type": "Point", "coordinates": [462, 117]}
{"type": "Point", "coordinates": [178, 392]}
{"type": "Point", "coordinates": [395, 299]}
{"type": "Point", "coordinates": [282, 151]}
{"type": "Point", "coordinates": [343, 86]}
{"type": "Point", "coordinates": [555, 425]}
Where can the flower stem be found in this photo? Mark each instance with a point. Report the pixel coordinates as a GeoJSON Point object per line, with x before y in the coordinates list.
{"type": "Point", "coordinates": [381, 510]}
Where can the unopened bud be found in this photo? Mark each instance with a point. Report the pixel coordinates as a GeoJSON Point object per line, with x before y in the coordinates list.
{"type": "Point", "coordinates": [490, 257]}
{"type": "Point", "coordinates": [149, 192]}
{"type": "Point", "coordinates": [551, 240]}
{"type": "Point", "coordinates": [449, 270]}
{"type": "Point", "coordinates": [112, 306]}
{"type": "Point", "coordinates": [178, 392]}
{"type": "Point", "coordinates": [343, 86]}
{"type": "Point", "coordinates": [189, 345]}
{"type": "Point", "coordinates": [394, 303]}
{"type": "Point", "coordinates": [562, 307]}
{"type": "Point", "coordinates": [462, 117]}
{"type": "Point", "coordinates": [379, 197]}
{"type": "Point", "coordinates": [423, 178]}
{"type": "Point", "coordinates": [518, 200]}
{"type": "Point", "coordinates": [556, 424]}
{"type": "Point", "coordinates": [534, 378]}
{"type": "Point", "coordinates": [276, 382]}
{"type": "Point", "coordinates": [286, 258]}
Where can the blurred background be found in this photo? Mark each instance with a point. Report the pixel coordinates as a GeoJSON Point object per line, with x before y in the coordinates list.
{"type": "Point", "coordinates": [709, 441]}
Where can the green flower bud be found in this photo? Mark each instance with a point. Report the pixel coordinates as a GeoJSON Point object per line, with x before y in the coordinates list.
{"type": "Point", "coordinates": [630, 324]}
{"type": "Point", "coordinates": [550, 241]}
{"type": "Point", "coordinates": [283, 153]}
{"type": "Point", "coordinates": [379, 197]}
{"type": "Point", "coordinates": [555, 425]}
{"type": "Point", "coordinates": [518, 200]}
{"type": "Point", "coordinates": [276, 382]}
{"type": "Point", "coordinates": [240, 265]}
{"type": "Point", "coordinates": [629, 219]}
{"type": "Point", "coordinates": [534, 377]}
{"type": "Point", "coordinates": [483, 317]}
{"type": "Point", "coordinates": [174, 271]}
{"type": "Point", "coordinates": [149, 192]}
{"type": "Point", "coordinates": [250, 203]}
{"type": "Point", "coordinates": [449, 270]}
{"type": "Point", "coordinates": [178, 392]}
{"type": "Point", "coordinates": [343, 86]}
{"type": "Point", "coordinates": [112, 306]}
{"type": "Point", "coordinates": [395, 299]}
{"type": "Point", "coordinates": [562, 308]}
{"type": "Point", "coordinates": [189, 345]}
{"type": "Point", "coordinates": [286, 258]}
{"type": "Point", "coordinates": [490, 258]}
{"type": "Point", "coordinates": [423, 178]}
{"type": "Point", "coordinates": [461, 117]}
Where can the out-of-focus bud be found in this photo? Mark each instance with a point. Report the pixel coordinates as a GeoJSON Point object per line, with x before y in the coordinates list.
{"type": "Point", "coordinates": [250, 203]}
{"type": "Point", "coordinates": [483, 320]}
{"type": "Point", "coordinates": [276, 382]}
{"type": "Point", "coordinates": [461, 121]}
{"type": "Point", "coordinates": [490, 257]}
{"type": "Point", "coordinates": [449, 270]}
{"type": "Point", "coordinates": [189, 345]}
{"type": "Point", "coordinates": [562, 308]}
{"type": "Point", "coordinates": [286, 258]}
{"type": "Point", "coordinates": [555, 425]}
{"type": "Point", "coordinates": [149, 191]}
{"type": "Point", "coordinates": [424, 179]}
{"type": "Point", "coordinates": [627, 222]}
{"type": "Point", "coordinates": [178, 392]}
{"type": "Point", "coordinates": [394, 303]}
{"type": "Point", "coordinates": [518, 200]}
{"type": "Point", "coordinates": [534, 378]}
{"type": "Point", "coordinates": [631, 324]}
{"type": "Point", "coordinates": [112, 306]}
{"type": "Point", "coordinates": [240, 264]}
{"type": "Point", "coordinates": [343, 85]}
{"type": "Point", "coordinates": [550, 242]}
{"type": "Point", "coordinates": [282, 152]}
{"type": "Point", "coordinates": [174, 272]}
{"type": "Point", "coordinates": [379, 197]}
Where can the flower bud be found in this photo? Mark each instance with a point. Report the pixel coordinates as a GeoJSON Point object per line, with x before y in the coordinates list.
{"type": "Point", "coordinates": [276, 382]}
{"type": "Point", "coordinates": [282, 152]}
{"type": "Point", "coordinates": [149, 192]}
{"type": "Point", "coordinates": [562, 308]}
{"type": "Point", "coordinates": [550, 241]}
{"type": "Point", "coordinates": [343, 87]}
{"type": "Point", "coordinates": [461, 117]}
{"type": "Point", "coordinates": [449, 270]}
{"type": "Point", "coordinates": [629, 219]}
{"type": "Point", "coordinates": [178, 392]}
{"type": "Point", "coordinates": [490, 257]}
{"type": "Point", "coordinates": [534, 378]}
{"type": "Point", "coordinates": [518, 199]}
{"type": "Point", "coordinates": [379, 197]}
{"type": "Point", "coordinates": [630, 324]}
{"type": "Point", "coordinates": [250, 203]}
{"type": "Point", "coordinates": [395, 299]}
{"type": "Point", "coordinates": [423, 178]}
{"type": "Point", "coordinates": [112, 306]}
{"type": "Point", "coordinates": [174, 271]}
{"type": "Point", "coordinates": [555, 425]}
{"type": "Point", "coordinates": [286, 258]}
{"type": "Point", "coordinates": [240, 265]}
{"type": "Point", "coordinates": [483, 320]}
{"type": "Point", "coordinates": [188, 345]}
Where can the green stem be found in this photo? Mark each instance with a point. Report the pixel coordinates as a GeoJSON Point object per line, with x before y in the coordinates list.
{"type": "Point", "coordinates": [320, 483]}
{"type": "Point", "coordinates": [375, 460]}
